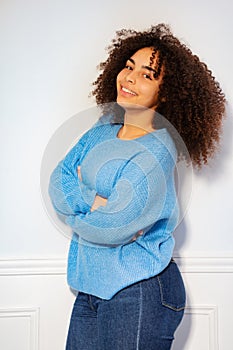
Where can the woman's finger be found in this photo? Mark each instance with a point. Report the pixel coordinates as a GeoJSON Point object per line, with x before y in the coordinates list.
{"type": "Point", "coordinates": [79, 173]}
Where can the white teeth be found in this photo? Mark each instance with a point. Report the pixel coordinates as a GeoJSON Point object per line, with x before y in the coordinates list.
{"type": "Point", "coordinates": [129, 92]}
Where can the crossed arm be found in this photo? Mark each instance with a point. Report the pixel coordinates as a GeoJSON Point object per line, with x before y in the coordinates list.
{"type": "Point", "coordinates": [101, 201]}
{"type": "Point", "coordinates": [98, 201]}
{"type": "Point", "coordinates": [136, 201]}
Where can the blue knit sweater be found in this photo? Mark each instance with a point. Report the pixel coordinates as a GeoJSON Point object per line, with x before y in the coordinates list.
{"type": "Point", "coordinates": [137, 178]}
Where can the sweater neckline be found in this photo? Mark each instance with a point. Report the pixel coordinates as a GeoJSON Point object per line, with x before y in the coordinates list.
{"type": "Point", "coordinates": [118, 127]}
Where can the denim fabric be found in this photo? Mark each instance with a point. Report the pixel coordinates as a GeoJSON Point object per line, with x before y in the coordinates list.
{"type": "Point", "coordinates": [143, 316]}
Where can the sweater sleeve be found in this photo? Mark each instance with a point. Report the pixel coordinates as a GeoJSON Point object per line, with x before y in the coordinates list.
{"type": "Point", "coordinates": [68, 194]}
{"type": "Point", "coordinates": [132, 206]}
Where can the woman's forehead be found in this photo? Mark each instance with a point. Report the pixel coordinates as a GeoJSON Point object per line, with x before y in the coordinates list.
{"type": "Point", "coordinates": [146, 56]}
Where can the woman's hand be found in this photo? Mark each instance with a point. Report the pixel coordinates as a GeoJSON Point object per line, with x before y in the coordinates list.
{"type": "Point", "coordinates": [98, 201]}
{"type": "Point", "coordinates": [138, 234]}
{"type": "Point", "coordinates": [79, 173]}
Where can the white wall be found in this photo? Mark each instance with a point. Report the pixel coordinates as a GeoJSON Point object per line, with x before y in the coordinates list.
{"type": "Point", "coordinates": [49, 53]}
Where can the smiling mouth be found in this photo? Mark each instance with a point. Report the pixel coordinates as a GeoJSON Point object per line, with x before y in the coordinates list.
{"type": "Point", "coordinates": [127, 91]}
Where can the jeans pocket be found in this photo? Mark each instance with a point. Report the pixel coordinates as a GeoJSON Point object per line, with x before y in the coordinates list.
{"type": "Point", "coordinates": [172, 290]}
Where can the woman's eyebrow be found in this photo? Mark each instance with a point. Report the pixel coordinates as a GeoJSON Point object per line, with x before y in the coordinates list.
{"type": "Point", "coordinates": [146, 67]}
{"type": "Point", "coordinates": [149, 68]}
{"type": "Point", "coordinates": [131, 60]}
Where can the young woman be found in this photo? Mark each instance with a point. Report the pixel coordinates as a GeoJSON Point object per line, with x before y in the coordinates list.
{"type": "Point", "coordinates": [116, 189]}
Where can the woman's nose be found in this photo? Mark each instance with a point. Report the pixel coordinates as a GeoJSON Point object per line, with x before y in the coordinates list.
{"type": "Point", "coordinates": [131, 77]}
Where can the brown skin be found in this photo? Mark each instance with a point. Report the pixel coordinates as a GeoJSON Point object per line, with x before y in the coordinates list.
{"type": "Point", "coordinates": [137, 93]}
{"type": "Point", "coordinates": [189, 96]}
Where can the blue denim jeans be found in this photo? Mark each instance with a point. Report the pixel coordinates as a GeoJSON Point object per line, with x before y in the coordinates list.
{"type": "Point", "coordinates": [143, 316]}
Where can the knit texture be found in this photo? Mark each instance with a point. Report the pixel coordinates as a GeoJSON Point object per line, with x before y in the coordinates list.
{"type": "Point", "coordinates": [137, 178]}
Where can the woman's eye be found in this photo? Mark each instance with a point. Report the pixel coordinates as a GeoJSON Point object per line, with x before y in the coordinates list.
{"type": "Point", "coordinates": [128, 67]}
{"type": "Point", "coordinates": [147, 76]}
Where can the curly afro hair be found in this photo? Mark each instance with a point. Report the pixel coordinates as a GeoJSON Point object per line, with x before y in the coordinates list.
{"type": "Point", "coordinates": [190, 98]}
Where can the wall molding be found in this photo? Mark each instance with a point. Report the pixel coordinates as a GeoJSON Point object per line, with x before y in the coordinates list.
{"type": "Point", "coordinates": [14, 267]}
{"type": "Point", "coordinates": [209, 311]}
{"type": "Point", "coordinates": [205, 264]}
{"type": "Point", "coordinates": [29, 313]}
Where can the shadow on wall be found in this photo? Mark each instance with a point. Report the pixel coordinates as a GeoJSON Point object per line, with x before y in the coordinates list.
{"type": "Point", "coordinates": [215, 170]}
{"type": "Point", "coordinates": [212, 172]}
{"type": "Point", "coordinates": [216, 166]}
{"type": "Point", "coordinates": [182, 333]}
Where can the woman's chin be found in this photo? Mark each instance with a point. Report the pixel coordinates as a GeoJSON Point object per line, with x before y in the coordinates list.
{"type": "Point", "coordinates": [129, 105]}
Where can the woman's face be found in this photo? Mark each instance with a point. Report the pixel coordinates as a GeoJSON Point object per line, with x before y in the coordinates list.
{"type": "Point", "coordinates": [136, 83]}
